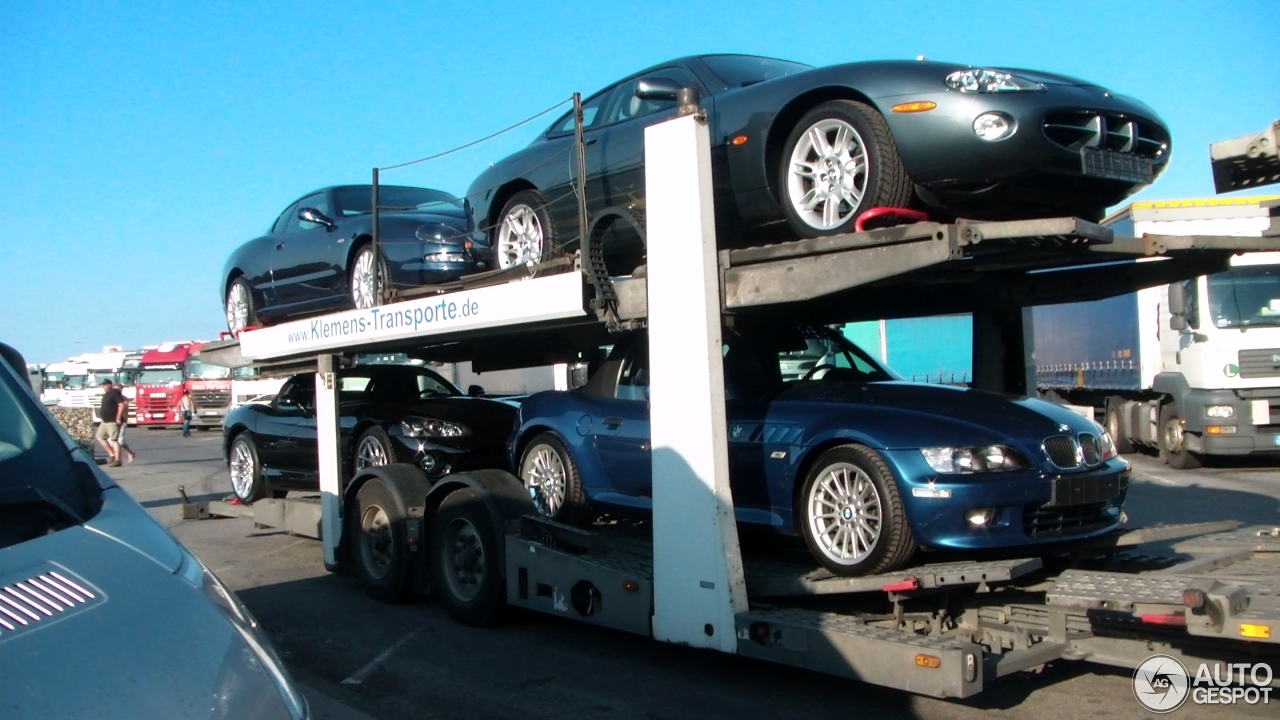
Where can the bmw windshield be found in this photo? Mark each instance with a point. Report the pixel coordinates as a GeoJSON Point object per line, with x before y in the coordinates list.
{"type": "Point", "coordinates": [1245, 296]}
{"type": "Point", "coordinates": [42, 488]}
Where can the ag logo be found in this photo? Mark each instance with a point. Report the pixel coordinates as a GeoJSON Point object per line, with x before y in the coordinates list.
{"type": "Point", "coordinates": [736, 431]}
{"type": "Point", "coordinates": [1231, 370]}
{"type": "Point", "coordinates": [1161, 684]}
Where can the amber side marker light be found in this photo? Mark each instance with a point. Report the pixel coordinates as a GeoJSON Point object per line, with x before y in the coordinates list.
{"type": "Point", "coordinates": [928, 661]}
{"type": "Point", "coordinates": [924, 106]}
{"type": "Point", "coordinates": [1250, 630]}
{"type": "Point", "coordinates": [739, 140]}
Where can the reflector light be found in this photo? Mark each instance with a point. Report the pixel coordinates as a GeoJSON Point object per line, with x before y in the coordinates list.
{"type": "Point", "coordinates": [630, 585]}
{"type": "Point", "coordinates": [1165, 619]}
{"type": "Point", "coordinates": [1260, 632]}
{"type": "Point", "coordinates": [928, 661]}
{"type": "Point", "coordinates": [739, 140]}
{"type": "Point", "coordinates": [1193, 599]}
{"type": "Point", "coordinates": [914, 107]}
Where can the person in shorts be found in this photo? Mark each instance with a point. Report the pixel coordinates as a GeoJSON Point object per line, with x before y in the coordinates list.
{"type": "Point", "coordinates": [123, 451]}
{"type": "Point", "coordinates": [108, 433]}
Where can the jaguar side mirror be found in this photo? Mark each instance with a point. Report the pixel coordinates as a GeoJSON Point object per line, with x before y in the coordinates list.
{"type": "Point", "coordinates": [475, 391]}
{"type": "Point", "coordinates": [313, 215]}
{"type": "Point", "coordinates": [656, 89]}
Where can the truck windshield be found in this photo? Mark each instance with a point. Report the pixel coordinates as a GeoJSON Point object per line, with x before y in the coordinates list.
{"type": "Point", "coordinates": [75, 382]}
{"type": "Point", "coordinates": [1245, 296]}
{"type": "Point", "coordinates": [160, 377]}
{"type": "Point", "coordinates": [197, 370]}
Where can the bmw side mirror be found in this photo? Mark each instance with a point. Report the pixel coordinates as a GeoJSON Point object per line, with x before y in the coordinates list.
{"type": "Point", "coordinates": [475, 391]}
{"type": "Point", "coordinates": [313, 215]}
{"type": "Point", "coordinates": [656, 89]}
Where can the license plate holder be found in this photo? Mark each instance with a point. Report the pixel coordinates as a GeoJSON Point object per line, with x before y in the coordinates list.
{"type": "Point", "coordinates": [1113, 165]}
{"type": "Point", "coordinates": [1083, 490]}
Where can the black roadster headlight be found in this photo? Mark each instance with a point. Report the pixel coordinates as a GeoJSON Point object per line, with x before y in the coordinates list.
{"type": "Point", "coordinates": [980, 80]}
{"type": "Point", "coordinates": [435, 233]}
{"type": "Point", "coordinates": [421, 427]}
{"type": "Point", "coordinates": [965, 460]}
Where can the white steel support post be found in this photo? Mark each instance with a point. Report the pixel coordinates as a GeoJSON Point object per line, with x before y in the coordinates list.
{"type": "Point", "coordinates": [697, 574]}
{"type": "Point", "coordinates": [329, 450]}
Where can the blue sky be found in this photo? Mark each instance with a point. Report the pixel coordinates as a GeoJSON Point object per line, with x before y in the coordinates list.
{"type": "Point", "coordinates": [140, 142]}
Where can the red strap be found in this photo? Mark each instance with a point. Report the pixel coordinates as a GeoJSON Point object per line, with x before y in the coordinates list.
{"type": "Point", "coordinates": [905, 215]}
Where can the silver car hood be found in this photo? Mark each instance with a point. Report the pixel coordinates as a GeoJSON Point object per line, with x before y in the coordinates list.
{"type": "Point", "coordinates": [96, 624]}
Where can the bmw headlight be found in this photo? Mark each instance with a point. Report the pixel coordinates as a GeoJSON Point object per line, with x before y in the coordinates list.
{"type": "Point", "coordinates": [435, 233]}
{"type": "Point", "coordinates": [981, 80]}
{"type": "Point", "coordinates": [965, 460]}
{"type": "Point", "coordinates": [419, 427]}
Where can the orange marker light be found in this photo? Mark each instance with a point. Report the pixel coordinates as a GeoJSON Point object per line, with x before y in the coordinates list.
{"type": "Point", "coordinates": [912, 107]}
{"type": "Point", "coordinates": [740, 140]}
{"type": "Point", "coordinates": [928, 661]}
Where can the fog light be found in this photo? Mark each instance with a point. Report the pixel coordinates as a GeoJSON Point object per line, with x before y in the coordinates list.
{"type": "Point", "coordinates": [980, 517]}
{"type": "Point", "coordinates": [1219, 411]}
{"type": "Point", "coordinates": [445, 257]}
{"type": "Point", "coordinates": [429, 462]}
{"type": "Point", "coordinates": [1220, 429]}
{"type": "Point", "coordinates": [993, 126]}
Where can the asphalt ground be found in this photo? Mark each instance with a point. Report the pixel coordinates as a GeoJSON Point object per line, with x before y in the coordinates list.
{"type": "Point", "coordinates": [357, 658]}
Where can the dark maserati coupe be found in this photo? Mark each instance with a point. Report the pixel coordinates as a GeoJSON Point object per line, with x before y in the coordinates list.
{"type": "Point", "coordinates": [388, 413]}
{"type": "Point", "coordinates": [317, 257]}
{"type": "Point", "coordinates": [816, 147]}
{"type": "Point", "coordinates": [864, 467]}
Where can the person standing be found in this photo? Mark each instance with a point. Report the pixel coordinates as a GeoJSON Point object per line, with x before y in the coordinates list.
{"type": "Point", "coordinates": [108, 432]}
{"type": "Point", "coordinates": [122, 424]}
{"type": "Point", "coordinates": [186, 411]}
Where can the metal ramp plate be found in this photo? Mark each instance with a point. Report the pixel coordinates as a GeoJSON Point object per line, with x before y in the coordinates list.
{"type": "Point", "coordinates": [1259, 538]}
{"type": "Point", "coordinates": [847, 646]}
{"type": "Point", "coordinates": [1116, 591]}
{"type": "Point", "coordinates": [779, 578]}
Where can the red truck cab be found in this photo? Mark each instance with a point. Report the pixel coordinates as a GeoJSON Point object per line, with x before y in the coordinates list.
{"type": "Point", "coordinates": [168, 370]}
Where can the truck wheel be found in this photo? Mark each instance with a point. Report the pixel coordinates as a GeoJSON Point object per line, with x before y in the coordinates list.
{"type": "Point", "coordinates": [1116, 430]}
{"type": "Point", "coordinates": [246, 471]}
{"type": "Point", "coordinates": [551, 477]}
{"type": "Point", "coordinates": [377, 527]}
{"type": "Point", "coordinates": [466, 569]}
{"type": "Point", "coordinates": [1173, 448]}
{"type": "Point", "coordinates": [374, 448]}
{"type": "Point", "coordinates": [851, 515]}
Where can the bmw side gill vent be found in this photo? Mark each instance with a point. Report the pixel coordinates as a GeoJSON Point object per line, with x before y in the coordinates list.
{"type": "Point", "coordinates": [1076, 130]}
{"type": "Point", "coordinates": [37, 597]}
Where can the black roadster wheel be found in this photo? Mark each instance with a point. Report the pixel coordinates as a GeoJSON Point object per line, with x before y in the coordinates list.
{"type": "Point", "coordinates": [525, 233]}
{"type": "Point", "coordinates": [839, 161]}
{"type": "Point", "coordinates": [239, 306]}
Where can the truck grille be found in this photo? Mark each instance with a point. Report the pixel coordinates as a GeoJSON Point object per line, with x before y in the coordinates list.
{"type": "Point", "coordinates": [1259, 363]}
{"type": "Point", "coordinates": [211, 398]}
{"type": "Point", "coordinates": [154, 404]}
{"type": "Point", "coordinates": [1042, 522]}
{"type": "Point", "coordinates": [1083, 129]}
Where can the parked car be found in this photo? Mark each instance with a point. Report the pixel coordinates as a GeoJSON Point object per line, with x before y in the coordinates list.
{"type": "Point", "coordinates": [818, 146]}
{"type": "Point", "coordinates": [105, 614]}
{"type": "Point", "coordinates": [865, 467]}
{"type": "Point", "coordinates": [317, 257]}
{"type": "Point", "coordinates": [388, 414]}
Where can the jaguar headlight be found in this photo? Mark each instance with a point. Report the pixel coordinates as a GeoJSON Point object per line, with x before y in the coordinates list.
{"type": "Point", "coordinates": [965, 460]}
{"type": "Point", "coordinates": [435, 233]}
{"type": "Point", "coordinates": [981, 80]}
{"type": "Point", "coordinates": [425, 427]}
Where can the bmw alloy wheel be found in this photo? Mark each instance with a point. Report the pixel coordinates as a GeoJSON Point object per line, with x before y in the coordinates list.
{"type": "Point", "coordinates": [242, 469]}
{"type": "Point", "coordinates": [844, 513]}
{"type": "Point", "coordinates": [544, 477]}
{"type": "Point", "coordinates": [520, 237]}
{"type": "Point", "coordinates": [237, 307]}
{"type": "Point", "coordinates": [828, 173]}
{"type": "Point", "coordinates": [364, 282]}
{"type": "Point", "coordinates": [370, 453]}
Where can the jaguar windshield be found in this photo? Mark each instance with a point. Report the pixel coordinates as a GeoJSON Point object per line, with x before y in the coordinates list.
{"type": "Point", "coordinates": [1245, 296]}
